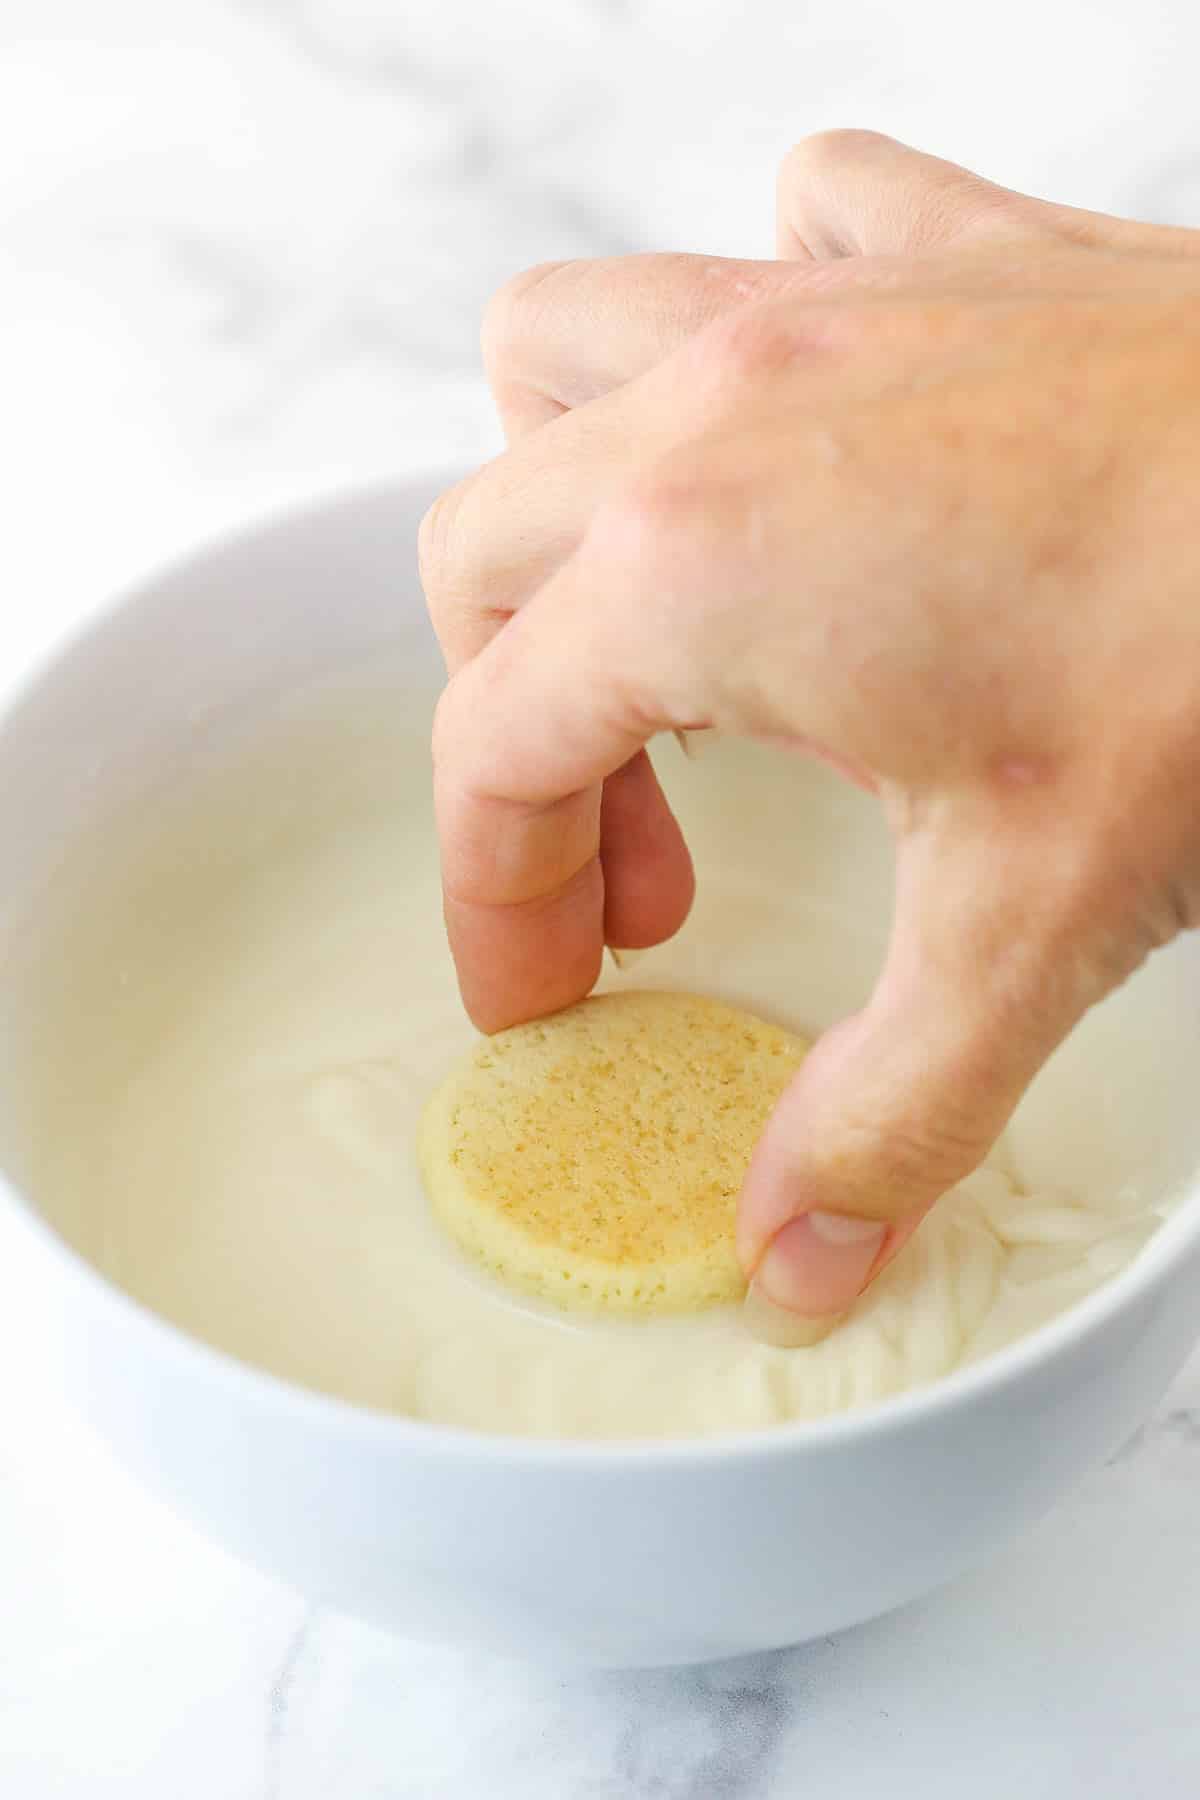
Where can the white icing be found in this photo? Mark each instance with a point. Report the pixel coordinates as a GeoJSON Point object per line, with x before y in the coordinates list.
{"type": "Point", "coordinates": [259, 1002]}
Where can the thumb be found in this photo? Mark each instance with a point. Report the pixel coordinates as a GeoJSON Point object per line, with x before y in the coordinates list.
{"type": "Point", "coordinates": [896, 1104]}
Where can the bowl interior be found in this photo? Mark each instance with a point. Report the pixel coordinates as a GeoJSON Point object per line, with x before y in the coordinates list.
{"type": "Point", "coordinates": [160, 693]}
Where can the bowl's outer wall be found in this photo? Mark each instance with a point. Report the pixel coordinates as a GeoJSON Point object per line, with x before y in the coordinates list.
{"type": "Point", "coordinates": [607, 1558]}
{"type": "Point", "coordinates": [618, 1559]}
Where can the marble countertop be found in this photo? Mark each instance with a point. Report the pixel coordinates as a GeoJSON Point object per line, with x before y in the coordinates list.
{"type": "Point", "coordinates": [243, 249]}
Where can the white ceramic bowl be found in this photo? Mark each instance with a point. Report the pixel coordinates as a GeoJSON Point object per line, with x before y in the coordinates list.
{"type": "Point", "coordinates": [598, 1553]}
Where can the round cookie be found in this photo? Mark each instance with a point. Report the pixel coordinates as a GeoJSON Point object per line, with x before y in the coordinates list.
{"type": "Point", "coordinates": [594, 1158]}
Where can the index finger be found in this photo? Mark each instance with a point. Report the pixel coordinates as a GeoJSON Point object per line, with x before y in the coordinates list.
{"type": "Point", "coordinates": [523, 740]}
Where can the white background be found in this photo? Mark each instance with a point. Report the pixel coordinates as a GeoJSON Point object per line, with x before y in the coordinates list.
{"type": "Point", "coordinates": [243, 250]}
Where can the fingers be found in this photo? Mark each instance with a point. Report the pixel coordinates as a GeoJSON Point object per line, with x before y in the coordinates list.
{"type": "Point", "coordinates": [526, 734]}
{"type": "Point", "coordinates": [562, 334]}
{"type": "Point", "coordinates": [588, 351]}
{"type": "Point", "coordinates": [987, 969]}
{"type": "Point", "coordinates": [649, 883]}
{"type": "Point", "coordinates": [554, 339]}
{"type": "Point", "coordinates": [644, 628]}
{"type": "Point", "coordinates": [858, 193]}
{"type": "Point", "coordinates": [489, 543]}
{"type": "Point", "coordinates": [559, 339]}
{"type": "Point", "coordinates": [523, 896]}
{"type": "Point", "coordinates": [898, 1103]}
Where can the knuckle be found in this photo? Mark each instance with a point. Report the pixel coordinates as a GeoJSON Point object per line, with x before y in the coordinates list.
{"type": "Point", "coordinates": [899, 1161]}
{"type": "Point", "coordinates": [823, 151]}
{"type": "Point", "coordinates": [654, 517]}
{"type": "Point", "coordinates": [510, 316]}
{"type": "Point", "coordinates": [940, 1130]}
{"type": "Point", "coordinates": [435, 541]}
{"type": "Point", "coordinates": [448, 570]}
{"type": "Point", "coordinates": [469, 593]}
{"type": "Point", "coordinates": [939, 1154]}
{"type": "Point", "coordinates": [757, 342]}
{"type": "Point", "coordinates": [970, 210]}
{"type": "Point", "coordinates": [919, 1162]}
{"type": "Point", "coordinates": [721, 284]}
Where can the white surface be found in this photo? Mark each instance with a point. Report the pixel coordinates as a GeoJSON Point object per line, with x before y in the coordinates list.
{"type": "Point", "coordinates": [242, 254]}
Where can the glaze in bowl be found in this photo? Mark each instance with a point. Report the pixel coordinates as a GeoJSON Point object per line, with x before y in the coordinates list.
{"type": "Point", "coordinates": [601, 1553]}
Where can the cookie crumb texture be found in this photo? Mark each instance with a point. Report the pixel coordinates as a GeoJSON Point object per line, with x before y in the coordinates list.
{"type": "Point", "coordinates": [594, 1159]}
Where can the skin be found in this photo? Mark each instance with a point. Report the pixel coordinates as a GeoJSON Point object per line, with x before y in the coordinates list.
{"type": "Point", "coordinates": [920, 497]}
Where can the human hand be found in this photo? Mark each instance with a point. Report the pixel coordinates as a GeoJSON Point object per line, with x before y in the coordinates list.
{"type": "Point", "coordinates": [920, 498]}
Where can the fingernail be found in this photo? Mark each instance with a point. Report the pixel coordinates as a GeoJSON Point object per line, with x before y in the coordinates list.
{"type": "Point", "coordinates": [818, 1264]}
{"type": "Point", "coordinates": [772, 1324]}
{"type": "Point", "coordinates": [625, 959]}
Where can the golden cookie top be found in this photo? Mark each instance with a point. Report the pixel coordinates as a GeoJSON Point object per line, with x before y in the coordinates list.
{"type": "Point", "coordinates": [595, 1158]}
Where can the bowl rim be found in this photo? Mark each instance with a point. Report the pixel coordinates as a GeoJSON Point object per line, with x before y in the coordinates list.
{"type": "Point", "coordinates": [1177, 1234]}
